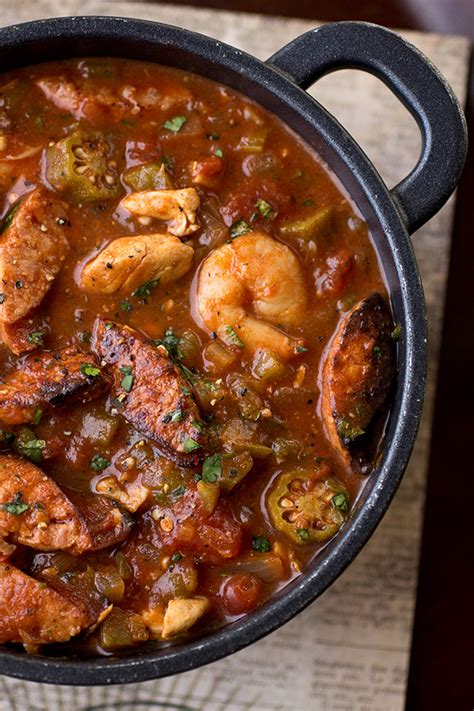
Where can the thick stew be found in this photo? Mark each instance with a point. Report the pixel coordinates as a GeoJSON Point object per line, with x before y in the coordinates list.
{"type": "Point", "coordinates": [196, 362]}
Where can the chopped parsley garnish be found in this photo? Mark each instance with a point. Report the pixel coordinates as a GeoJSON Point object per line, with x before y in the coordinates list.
{"type": "Point", "coordinates": [303, 534]}
{"type": "Point", "coordinates": [218, 152]}
{"type": "Point", "coordinates": [168, 162]}
{"type": "Point", "coordinates": [301, 349]}
{"type": "Point", "coordinates": [37, 416]}
{"type": "Point", "coordinates": [85, 336]}
{"type": "Point", "coordinates": [232, 337]}
{"type": "Point", "coordinates": [6, 438]}
{"type": "Point", "coordinates": [171, 343]}
{"type": "Point", "coordinates": [174, 416]}
{"type": "Point", "coordinates": [349, 431]}
{"type": "Point", "coordinates": [175, 124]}
{"type": "Point", "coordinates": [128, 378]}
{"type": "Point", "coordinates": [239, 228]}
{"type": "Point", "coordinates": [261, 544]}
{"type": "Point", "coordinates": [189, 445]}
{"type": "Point", "coordinates": [36, 338]}
{"type": "Point", "coordinates": [265, 209]}
{"type": "Point", "coordinates": [395, 335]}
{"type": "Point", "coordinates": [31, 448]}
{"type": "Point", "coordinates": [188, 374]}
{"type": "Point", "coordinates": [213, 136]}
{"type": "Point", "coordinates": [126, 305]}
{"type": "Point", "coordinates": [212, 469]}
{"type": "Point", "coordinates": [8, 219]}
{"type": "Point", "coordinates": [199, 426]}
{"type": "Point", "coordinates": [90, 370]}
{"type": "Point", "coordinates": [340, 502]}
{"type": "Point", "coordinates": [99, 463]}
{"type": "Point", "coordinates": [144, 291]}
{"type": "Point", "coordinates": [179, 491]}
{"type": "Point", "coordinates": [16, 506]}
{"type": "Point", "coordinates": [176, 557]}
{"type": "Point", "coordinates": [308, 203]}
{"type": "Point", "coordinates": [377, 351]}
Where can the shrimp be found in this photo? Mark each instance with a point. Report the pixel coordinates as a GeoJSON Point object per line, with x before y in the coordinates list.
{"type": "Point", "coordinates": [177, 207]}
{"type": "Point", "coordinates": [254, 269]}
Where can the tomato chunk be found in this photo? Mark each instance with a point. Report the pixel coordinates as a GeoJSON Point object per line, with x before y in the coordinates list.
{"type": "Point", "coordinates": [243, 203]}
{"type": "Point", "coordinates": [187, 527]}
{"type": "Point", "coordinates": [241, 593]}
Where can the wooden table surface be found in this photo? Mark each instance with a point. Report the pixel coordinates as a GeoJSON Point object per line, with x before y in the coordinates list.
{"type": "Point", "coordinates": [441, 669]}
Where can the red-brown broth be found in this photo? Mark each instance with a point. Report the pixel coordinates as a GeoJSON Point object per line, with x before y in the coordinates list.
{"type": "Point", "coordinates": [298, 184]}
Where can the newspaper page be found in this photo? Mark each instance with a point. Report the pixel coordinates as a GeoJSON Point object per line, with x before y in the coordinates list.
{"type": "Point", "coordinates": [350, 650]}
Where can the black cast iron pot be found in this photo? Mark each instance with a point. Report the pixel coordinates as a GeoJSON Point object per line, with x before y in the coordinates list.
{"type": "Point", "coordinates": [278, 85]}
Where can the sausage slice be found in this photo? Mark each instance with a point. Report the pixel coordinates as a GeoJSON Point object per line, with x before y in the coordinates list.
{"type": "Point", "coordinates": [33, 613]}
{"type": "Point", "coordinates": [35, 512]}
{"type": "Point", "coordinates": [47, 379]}
{"type": "Point", "coordinates": [33, 248]}
{"type": "Point", "coordinates": [150, 392]}
{"type": "Point", "coordinates": [358, 372]}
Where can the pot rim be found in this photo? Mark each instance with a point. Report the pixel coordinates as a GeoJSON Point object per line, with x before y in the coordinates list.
{"type": "Point", "coordinates": [265, 82]}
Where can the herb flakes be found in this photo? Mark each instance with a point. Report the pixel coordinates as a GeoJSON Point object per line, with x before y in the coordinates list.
{"type": "Point", "coordinates": [175, 124]}
{"type": "Point", "coordinates": [232, 337]}
{"type": "Point", "coordinates": [261, 544]}
{"type": "Point", "coordinates": [90, 370]}
{"type": "Point", "coordinates": [16, 506]}
{"type": "Point", "coordinates": [189, 445]}
{"type": "Point", "coordinates": [239, 228]}
{"type": "Point", "coordinates": [98, 463]}
{"type": "Point", "coordinates": [265, 209]}
{"type": "Point", "coordinates": [212, 469]}
{"type": "Point", "coordinates": [144, 291]}
{"type": "Point", "coordinates": [340, 502]}
{"type": "Point", "coordinates": [128, 378]}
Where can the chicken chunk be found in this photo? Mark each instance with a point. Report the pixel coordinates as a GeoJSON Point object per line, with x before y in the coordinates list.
{"type": "Point", "coordinates": [47, 380]}
{"type": "Point", "coordinates": [128, 262]}
{"type": "Point", "coordinates": [63, 93]}
{"type": "Point", "coordinates": [32, 251]}
{"type": "Point", "coordinates": [131, 495]}
{"type": "Point", "coordinates": [183, 613]}
{"type": "Point", "coordinates": [36, 513]}
{"type": "Point", "coordinates": [33, 613]}
{"type": "Point", "coordinates": [98, 103]}
{"type": "Point", "coordinates": [358, 372]}
{"type": "Point", "coordinates": [176, 207]}
{"type": "Point", "coordinates": [150, 392]}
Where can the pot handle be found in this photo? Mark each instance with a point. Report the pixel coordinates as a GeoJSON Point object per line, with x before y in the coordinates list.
{"type": "Point", "coordinates": [414, 80]}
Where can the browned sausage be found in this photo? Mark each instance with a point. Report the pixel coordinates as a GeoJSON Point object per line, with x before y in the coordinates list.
{"type": "Point", "coordinates": [17, 336]}
{"type": "Point", "coordinates": [150, 391]}
{"type": "Point", "coordinates": [36, 513]}
{"type": "Point", "coordinates": [47, 379]}
{"type": "Point", "coordinates": [358, 372]}
{"type": "Point", "coordinates": [107, 522]}
{"type": "Point", "coordinates": [33, 613]}
{"type": "Point", "coordinates": [32, 252]}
